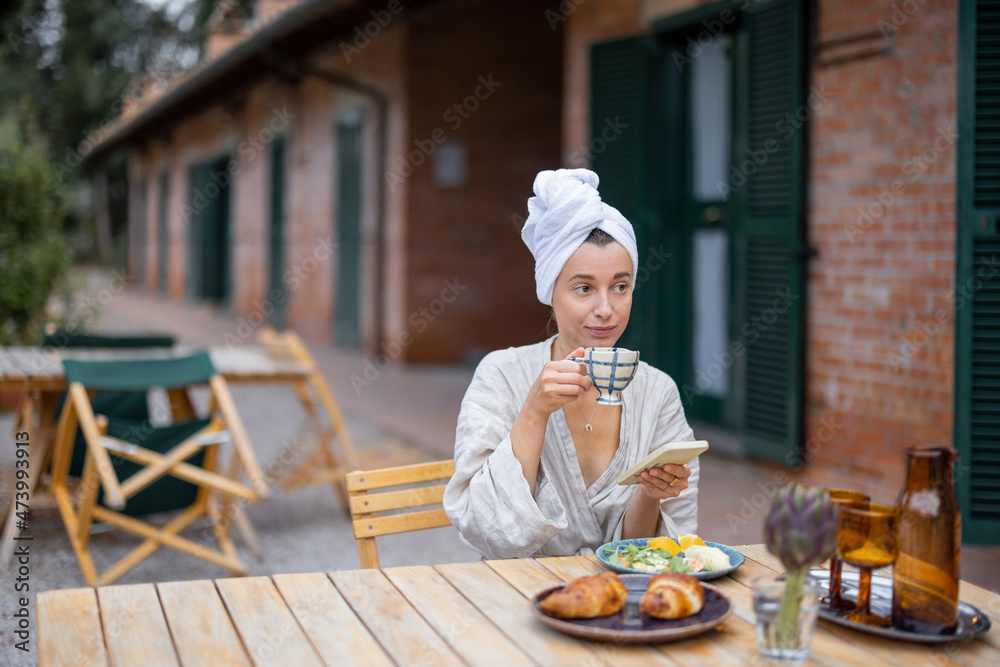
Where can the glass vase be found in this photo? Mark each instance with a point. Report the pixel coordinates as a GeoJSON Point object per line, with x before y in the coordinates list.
{"type": "Point", "coordinates": [786, 608]}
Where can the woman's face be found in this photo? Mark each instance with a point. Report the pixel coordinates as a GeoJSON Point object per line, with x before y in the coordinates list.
{"type": "Point", "coordinates": [592, 297]}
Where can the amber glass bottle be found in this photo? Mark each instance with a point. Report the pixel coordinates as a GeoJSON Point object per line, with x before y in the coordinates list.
{"type": "Point", "coordinates": [925, 577]}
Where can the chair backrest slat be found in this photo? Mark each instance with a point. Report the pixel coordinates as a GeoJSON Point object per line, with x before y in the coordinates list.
{"type": "Point", "coordinates": [72, 339]}
{"type": "Point", "coordinates": [400, 523]}
{"type": "Point", "coordinates": [421, 496]}
{"type": "Point", "coordinates": [140, 374]}
{"type": "Point", "coordinates": [364, 480]}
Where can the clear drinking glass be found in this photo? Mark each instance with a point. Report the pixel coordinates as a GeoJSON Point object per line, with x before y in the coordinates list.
{"type": "Point", "coordinates": [834, 599]}
{"type": "Point", "coordinates": [775, 646]}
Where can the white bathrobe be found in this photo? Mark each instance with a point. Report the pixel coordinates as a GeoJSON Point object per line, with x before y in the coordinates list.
{"type": "Point", "coordinates": [488, 499]}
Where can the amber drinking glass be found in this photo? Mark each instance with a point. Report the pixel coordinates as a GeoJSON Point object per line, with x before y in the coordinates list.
{"type": "Point", "coordinates": [866, 538]}
{"type": "Point", "coordinates": [834, 599]}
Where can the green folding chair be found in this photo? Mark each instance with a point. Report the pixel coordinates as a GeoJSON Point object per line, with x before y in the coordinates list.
{"type": "Point", "coordinates": [36, 412]}
{"type": "Point", "coordinates": [176, 467]}
{"type": "Point", "coordinates": [131, 405]}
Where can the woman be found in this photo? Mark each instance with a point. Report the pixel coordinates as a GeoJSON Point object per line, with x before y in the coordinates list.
{"type": "Point", "coordinates": [536, 458]}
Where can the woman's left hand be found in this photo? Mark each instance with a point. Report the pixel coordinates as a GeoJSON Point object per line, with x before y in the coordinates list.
{"type": "Point", "coordinates": [665, 482]}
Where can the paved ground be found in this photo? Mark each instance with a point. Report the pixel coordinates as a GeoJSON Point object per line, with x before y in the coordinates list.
{"type": "Point", "coordinates": [308, 530]}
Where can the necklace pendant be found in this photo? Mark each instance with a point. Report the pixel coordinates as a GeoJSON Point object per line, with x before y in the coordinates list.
{"type": "Point", "coordinates": [589, 427]}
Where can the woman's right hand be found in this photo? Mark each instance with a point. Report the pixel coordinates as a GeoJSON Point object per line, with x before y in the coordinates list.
{"type": "Point", "coordinates": [560, 382]}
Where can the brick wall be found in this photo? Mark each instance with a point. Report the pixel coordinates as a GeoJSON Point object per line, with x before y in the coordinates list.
{"type": "Point", "coordinates": [510, 129]}
{"type": "Point", "coordinates": [882, 215]}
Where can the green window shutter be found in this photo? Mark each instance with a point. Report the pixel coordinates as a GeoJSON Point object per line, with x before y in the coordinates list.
{"type": "Point", "coordinates": [977, 293]}
{"type": "Point", "coordinates": [347, 307]}
{"type": "Point", "coordinates": [139, 243]}
{"type": "Point", "coordinates": [276, 252]}
{"type": "Point", "coordinates": [223, 262]}
{"type": "Point", "coordinates": [163, 230]}
{"type": "Point", "coordinates": [621, 79]}
{"type": "Point", "coordinates": [772, 199]}
{"type": "Point", "coordinates": [213, 199]}
{"type": "Point", "coordinates": [210, 287]}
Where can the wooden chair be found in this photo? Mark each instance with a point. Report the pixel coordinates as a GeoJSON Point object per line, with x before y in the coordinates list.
{"type": "Point", "coordinates": [159, 469]}
{"type": "Point", "coordinates": [373, 493]}
{"type": "Point", "coordinates": [319, 463]}
{"type": "Point", "coordinates": [37, 412]}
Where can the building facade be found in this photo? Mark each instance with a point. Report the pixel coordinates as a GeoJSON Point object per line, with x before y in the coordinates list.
{"type": "Point", "coordinates": [814, 185]}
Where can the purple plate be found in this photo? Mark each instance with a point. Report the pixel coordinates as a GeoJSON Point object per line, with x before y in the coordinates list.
{"type": "Point", "coordinates": [630, 626]}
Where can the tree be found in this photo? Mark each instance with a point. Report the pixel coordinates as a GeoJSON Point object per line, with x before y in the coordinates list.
{"type": "Point", "coordinates": [75, 62]}
{"type": "Point", "coordinates": [34, 256]}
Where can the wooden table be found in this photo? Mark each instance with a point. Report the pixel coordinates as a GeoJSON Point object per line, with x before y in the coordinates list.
{"type": "Point", "coordinates": [28, 368]}
{"type": "Point", "coordinates": [464, 613]}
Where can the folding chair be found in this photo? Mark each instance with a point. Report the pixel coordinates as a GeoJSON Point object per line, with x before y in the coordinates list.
{"type": "Point", "coordinates": [373, 493]}
{"type": "Point", "coordinates": [129, 405]}
{"type": "Point", "coordinates": [37, 411]}
{"type": "Point", "coordinates": [320, 463]}
{"type": "Point", "coordinates": [177, 466]}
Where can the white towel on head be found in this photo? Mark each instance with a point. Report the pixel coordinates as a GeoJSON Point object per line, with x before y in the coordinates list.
{"type": "Point", "coordinates": [565, 209]}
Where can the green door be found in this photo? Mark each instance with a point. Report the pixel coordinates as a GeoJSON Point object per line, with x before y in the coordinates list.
{"type": "Point", "coordinates": [705, 220]}
{"type": "Point", "coordinates": [277, 293]}
{"type": "Point", "coordinates": [712, 180]}
{"type": "Point", "coordinates": [162, 231]}
{"type": "Point", "coordinates": [347, 290]}
{"type": "Point", "coordinates": [215, 232]}
{"type": "Point", "coordinates": [207, 218]}
{"type": "Point", "coordinates": [977, 289]}
{"type": "Point", "coordinates": [139, 239]}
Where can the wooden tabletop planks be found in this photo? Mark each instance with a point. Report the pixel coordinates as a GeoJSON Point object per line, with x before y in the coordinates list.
{"type": "Point", "coordinates": [571, 567]}
{"type": "Point", "coordinates": [982, 599]}
{"type": "Point", "coordinates": [40, 367]}
{"type": "Point", "coordinates": [465, 628]}
{"type": "Point", "coordinates": [336, 633]}
{"type": "Point", "coordinates": [254, 363]}
{"type": "Point", "coordinates": [135, 631]}
{"type": "Point", "coordinates": [462, 613]}
{"type": "Point", "coordinates": [392, 620]}
{"type": "Point", "coordinates": [69, 629]}
{"type": "Point", "coordinates": [269, 630]}
{"type": "Point", "coordinates": [202, 630]}
{"type": "Point", "coordinates": [506, 607]}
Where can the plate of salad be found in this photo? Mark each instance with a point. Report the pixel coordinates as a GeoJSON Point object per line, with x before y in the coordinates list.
{"type": "Point", "coordinates": [687, 555]}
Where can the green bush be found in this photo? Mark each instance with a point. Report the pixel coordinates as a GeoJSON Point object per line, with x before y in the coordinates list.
{"type": "Point", "coordinates": [34, 257]}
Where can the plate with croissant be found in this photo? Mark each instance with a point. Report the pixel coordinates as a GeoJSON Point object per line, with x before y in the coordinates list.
{"type": "Point", "coordinates": [633, 608]}
{"type": "Point", "coordinates": [687, 555]}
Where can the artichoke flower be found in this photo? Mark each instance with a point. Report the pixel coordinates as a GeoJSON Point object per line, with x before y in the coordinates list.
{"type": "Point", "coordinates": [801, 531]}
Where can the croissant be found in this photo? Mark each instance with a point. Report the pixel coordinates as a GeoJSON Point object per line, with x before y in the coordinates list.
{"type": "Point", "coordinates": [587, 597]}
{"type": "Point", "coordinates": [671, 596]}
